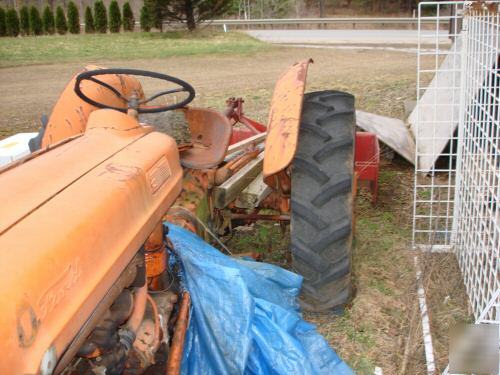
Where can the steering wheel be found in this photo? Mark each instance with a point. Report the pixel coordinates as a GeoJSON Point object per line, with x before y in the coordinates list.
{"type": "Point", "coordinates": [134, 102]}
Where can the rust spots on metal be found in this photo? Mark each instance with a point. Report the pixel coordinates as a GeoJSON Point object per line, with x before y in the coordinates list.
{"type": "Point", "coordinates": [27, 325]}
{"type": "Point", "coordinates": [284, 120]}
{"type": "Point", "coordinates": [70, 114]}
{"type": "Point", "coordinates": [121, 173]}
{"type": "Point", "coordinates": [175, 354]}
{"type": "Point", "coordinates": [155, 253]}
{"type": "Point", "coordinates": [223, 173]}
{"type": "Point", "coordinates": [252, 217]}
{"type": "Point", "coordinates": [210, 136]}
{"type": "Point", "coordinates": [189, 204]}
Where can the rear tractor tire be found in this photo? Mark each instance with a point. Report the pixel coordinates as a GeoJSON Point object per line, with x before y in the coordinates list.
{"type": "Point", "coordinates": [322, 200]}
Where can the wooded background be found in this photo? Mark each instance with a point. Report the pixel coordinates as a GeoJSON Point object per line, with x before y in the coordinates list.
{"type": "Point", "coordinates": [263, 8]}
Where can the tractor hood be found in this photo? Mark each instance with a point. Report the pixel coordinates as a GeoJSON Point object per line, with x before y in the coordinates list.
{"type": "Point", "coordinates": [71, 220]}
{"type": "Point", "coordinates": [27, 185]}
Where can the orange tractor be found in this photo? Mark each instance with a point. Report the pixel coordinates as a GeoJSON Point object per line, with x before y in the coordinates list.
{"type": "Point", "coordinates": [86, 284]}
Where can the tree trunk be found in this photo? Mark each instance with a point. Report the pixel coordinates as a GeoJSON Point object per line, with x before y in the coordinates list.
{"type": "Point", "coordinates": [298, 8]}
{"type": "Point", "coordinates": [82, 9]}
{"type": "Point", "coordinates": [190, 20]}
{"type": "Point", "coordinates": [321, 8]}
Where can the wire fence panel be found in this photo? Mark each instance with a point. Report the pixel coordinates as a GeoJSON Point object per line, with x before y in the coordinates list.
{"type": "Point", "coordinates": [434, 123]}
{"type": "Point", "coordinates": [477, 204]}
{"type": "Point", "coordinates": [457, 131]}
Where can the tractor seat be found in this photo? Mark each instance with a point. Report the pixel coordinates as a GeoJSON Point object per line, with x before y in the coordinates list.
{"type": "Point", "coordinates": [210, 136]}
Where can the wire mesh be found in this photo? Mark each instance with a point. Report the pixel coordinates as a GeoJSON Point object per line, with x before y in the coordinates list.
{"type": "Point", "coordinates": [477, 215]}
{"type": "Point", "coordinates": [434, 122]}
{"type": "Point", "coordinates": [457, 132]}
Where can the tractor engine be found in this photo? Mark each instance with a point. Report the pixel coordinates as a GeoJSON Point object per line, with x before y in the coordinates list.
{"type": "Point", "coordinates": [133, 334]}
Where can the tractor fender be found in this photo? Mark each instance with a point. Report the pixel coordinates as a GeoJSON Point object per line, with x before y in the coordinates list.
{"type": "Point", "coordinates": [284, 120]}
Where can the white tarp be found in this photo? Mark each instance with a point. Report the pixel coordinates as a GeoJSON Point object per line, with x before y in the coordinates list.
{"type": "Point", "coordinates": [437, 111]}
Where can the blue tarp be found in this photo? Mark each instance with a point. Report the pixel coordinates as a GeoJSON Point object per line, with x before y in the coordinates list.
{"type": "Point", "coordinates": [245, 318]}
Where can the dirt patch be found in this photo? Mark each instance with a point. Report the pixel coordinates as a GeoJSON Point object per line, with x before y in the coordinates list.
{"type": "Point", "coordinates": [381, 81]}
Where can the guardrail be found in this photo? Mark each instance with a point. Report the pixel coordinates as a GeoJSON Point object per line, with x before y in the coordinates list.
{"type": "Point", "coordinates": [272, 22]}
{"type": "Point", "coordinates": [319, 22]}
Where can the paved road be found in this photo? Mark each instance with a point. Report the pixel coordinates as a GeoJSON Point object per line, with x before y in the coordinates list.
{"type": "Point", "coordinates": [393, 37]}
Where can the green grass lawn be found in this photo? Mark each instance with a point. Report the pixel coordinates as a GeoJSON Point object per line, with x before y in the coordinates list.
{"type": "Point", "coordinates": [124, 46]}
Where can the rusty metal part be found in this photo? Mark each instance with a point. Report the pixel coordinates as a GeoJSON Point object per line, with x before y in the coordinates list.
{"type": "Point", "coordinates": [156, 341]}
{"type": "Point", "coordinates": [251, 217]}
{"type": "Point", "coordinates": [165, 302]}
{"type": "Point", "coordinates": [155, 239]}
{"type": "Point", "coordinates": [184, 146]}
{"type": "Point", "coordinates": [141, 356]}
{"type": "Point", "coordinates": [276, 201]}
{"type": "Point", "coordinates": [284, 120]}
{"type": "Point", "coordinates": [140, 298]}
{"type": "Point", "coordinates": [156, 264]}
{"type": "Point", "coordinates": [248, 143]}
{"type": "Point", "coordinates": [284, 182]}
{"type": "Point", "coordinates": [155, 253]}
{"type": "Point", "coordinates": [177, 348]}
{"type": "Point", "coordinates": [233, 166]}
{"type": "Point", "coordinates": [105, 335]}
{"type": "Point", "coordinates": [27, 325]}
{"type": "Point", "coordinates": [182, 217]}
{"type": "Point", "coordinates": [124, 280]}
{"type": "Point", "coordinates": [281, 184]}
{"type": "Point", "coordinates": [147, 340]}
{"type": "Point", "coordinates": [194, 199]}
{"type": "Point", "coordinates": [234, 112]}
{"type": "Point", "coordinates": [114, 360]}
{"type": "Point", "coordinates": [279, 199]}
{"type": "Point", "coordinates": [210, 136]}
{"type": "Point", "coordinates": [152, 333]}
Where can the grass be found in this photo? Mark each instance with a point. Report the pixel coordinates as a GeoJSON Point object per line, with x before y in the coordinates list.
{"type": "Point", "coordinates": [445, 293]}
{"type": "Point", "coordinates": [124, 46]}
{"type": "Point", "coordinates": [265, 238]}
{"type": "Point", "coordinates": [374, 327]}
